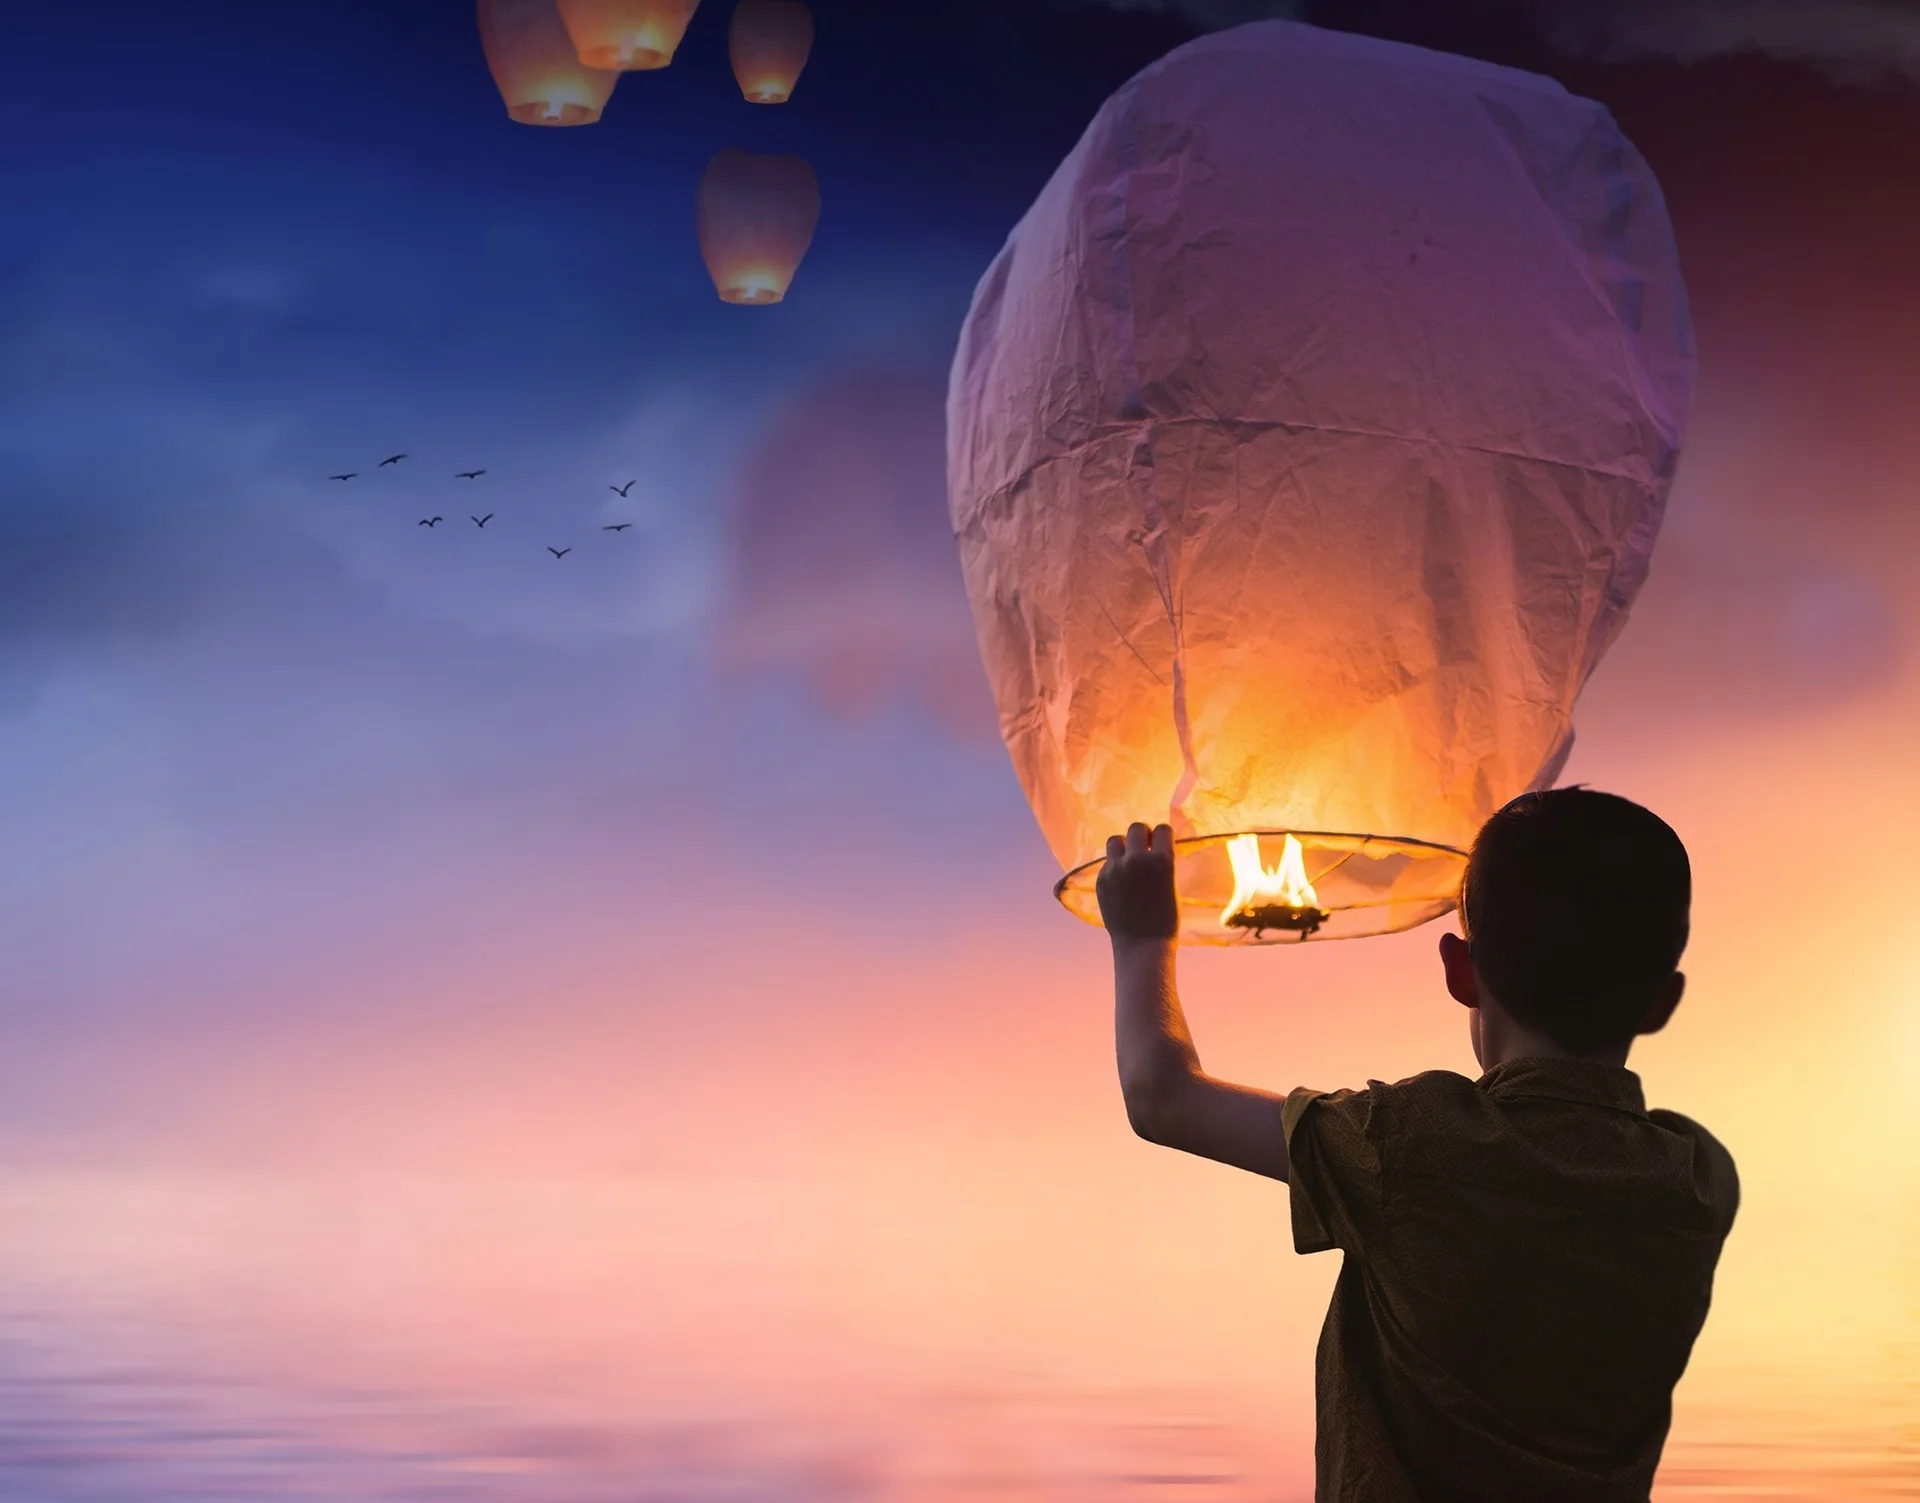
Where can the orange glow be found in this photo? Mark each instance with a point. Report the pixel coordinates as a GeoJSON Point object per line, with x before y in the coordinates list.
{"type": "Point", "coordinates": [757, 216]}
{"type": "Point", "coordinates": [540, 77]}
{"type": "Point", "coordinates": [627, 35]}
{"type": "Point", "coordinates": [1254, 886]}
{"type": "Point", "coordinates": [769, 42]}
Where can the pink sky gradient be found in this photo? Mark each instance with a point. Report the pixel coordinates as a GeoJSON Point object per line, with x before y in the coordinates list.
{"type": "Point", "coordinates": [800, 1105]}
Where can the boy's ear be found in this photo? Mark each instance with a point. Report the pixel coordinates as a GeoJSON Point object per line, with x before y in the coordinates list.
{"type": "Point", "coordinates": [1462, 985]}
{"type": "Point", "coordinates": [1657, 1015]}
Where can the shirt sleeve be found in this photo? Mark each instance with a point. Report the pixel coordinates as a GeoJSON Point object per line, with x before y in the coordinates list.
{"type": "Point", "coordinates": [1333, 1168]}
{"type": "Point", "coordinates": [1715, 1177]}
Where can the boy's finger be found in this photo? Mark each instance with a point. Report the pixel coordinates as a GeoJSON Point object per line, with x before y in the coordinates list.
{"type": "Point", "coordinates": [1163, 840]}
{"type": "Point", "coordinates": [1116, 847]}
{"type": "Point", "coordinates": [1136, 839]}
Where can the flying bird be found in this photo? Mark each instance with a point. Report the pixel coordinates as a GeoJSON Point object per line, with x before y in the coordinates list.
{"type": "Point", "coordinates": [621, 490]}
{"type": "Point", "coordinates": [482, 521]}
{"type": "Point", "coordinates": [348, 476]}
{"type": "Point", "coordinates": [616, 527]}
{"type": "Point", "coordinates": [390, 459]}
{"type": "Point", "coordinates": [429, 521]}
{"type": "Point", "coordinates": [559, 552]}
{"type": "Point", "coordinates": [468, 474]}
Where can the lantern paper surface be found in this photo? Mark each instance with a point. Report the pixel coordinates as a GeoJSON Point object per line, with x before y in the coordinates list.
{"type": "Point", "coordinates": [769, 41]}
{"type": "Point", "coordinates": [1307, 443]}
{"type": "Point", "coordinates": [756, 218]}
{"type": "Point", "coordinates": [627, 35]}
{"type": "Point", "coordinates": [540, 77]}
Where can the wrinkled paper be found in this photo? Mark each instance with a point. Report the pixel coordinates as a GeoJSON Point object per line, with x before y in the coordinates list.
{"type": "Point", "coordinates": [1309, 437]}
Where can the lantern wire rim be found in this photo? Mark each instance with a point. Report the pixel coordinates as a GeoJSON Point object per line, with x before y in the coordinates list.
{"type": "Point", "coordinates": [1400, 882]}
{"type": "Point", "coordinates": [1194, 842]}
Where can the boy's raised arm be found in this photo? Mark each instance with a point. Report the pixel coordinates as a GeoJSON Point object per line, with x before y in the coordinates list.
{"type": "Point", "coordinates": [1170, 1100]}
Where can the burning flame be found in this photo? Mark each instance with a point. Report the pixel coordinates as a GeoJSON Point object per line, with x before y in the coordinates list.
{"type": "Point", "coordinates": [1254, 886]}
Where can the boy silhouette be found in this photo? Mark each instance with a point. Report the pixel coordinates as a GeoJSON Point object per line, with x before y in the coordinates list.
{"type": "Point", "coordinates": [1529, 1255]}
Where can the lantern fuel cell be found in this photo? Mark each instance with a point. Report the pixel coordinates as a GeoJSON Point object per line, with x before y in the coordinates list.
{"type": "Point", "coordinates": [756, 217]}
{"type": "Point", "coordinates": [540, 77]}
{"type": "Point", "coordinates": [1307, 444]}
{"type": "Point", "coordinates": [627, 36]}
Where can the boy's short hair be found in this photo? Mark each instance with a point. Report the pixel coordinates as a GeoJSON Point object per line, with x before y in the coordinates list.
{"type": "Point", "coordinates": [1575, 907]}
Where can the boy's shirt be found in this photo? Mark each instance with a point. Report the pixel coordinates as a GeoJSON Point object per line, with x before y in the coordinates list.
{"type": "Point", "coordinates": [1529, 1257]}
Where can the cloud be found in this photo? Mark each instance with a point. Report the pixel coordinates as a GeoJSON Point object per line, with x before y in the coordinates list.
{"type": "Point", "coordinates": [112, 542]}
{"type": "Point", "coordinates": [170, 406]}
{"type": "Point", "coordinates": [1732, 629]}
{"type": "Point", "coordinates": [1855, 40]}
{"type": "Point", "coordinates": [845, 569]}
{"type": "Point", "coordinates": [656, 579]}
{"type": "Point", "coordinates": [844, 573]}
{"type": "Point", "coordinates": [81, 572]}
{"type": "Point", "coordinates": [1210, 14]}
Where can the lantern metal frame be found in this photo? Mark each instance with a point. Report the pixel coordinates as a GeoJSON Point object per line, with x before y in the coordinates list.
{"type": "Point", "coordinates": [1200, 916]}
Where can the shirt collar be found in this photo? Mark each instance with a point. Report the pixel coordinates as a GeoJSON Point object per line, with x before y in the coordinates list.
{"type": "Point", "coordinates": [1581, 1080]}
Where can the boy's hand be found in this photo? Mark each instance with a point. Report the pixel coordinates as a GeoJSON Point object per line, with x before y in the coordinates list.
{"type": "Point", "coordinates": [1135, 887]}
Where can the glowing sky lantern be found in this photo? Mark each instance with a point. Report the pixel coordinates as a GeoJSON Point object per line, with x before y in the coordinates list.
{"type": "Point", "coordinates": [1307, 443]}
{"type": "Point", "coordinates": [627, 35]}
{"type": "Point", "coordinates": [533, 62]}
{"type": "Point", "coordinates": [769, 41]}
{"type": "Point", "coordinates": [757, 216]}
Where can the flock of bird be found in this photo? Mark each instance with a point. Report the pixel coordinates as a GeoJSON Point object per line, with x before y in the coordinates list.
{"type": "Point", "coordinates": [481, 522]}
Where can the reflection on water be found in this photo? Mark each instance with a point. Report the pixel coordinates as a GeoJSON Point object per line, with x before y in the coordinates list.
{"type": "Point", "coordinates": [173, 1341]}
{"type": "Point", "coordinates": [98, 1428]}
{"type": "Point", "coordinates": [69, 1430]}
{"type": "Point", "coordinates": [73, 1432]}
{"type": "Point", "coordinates": [1772, 1446]}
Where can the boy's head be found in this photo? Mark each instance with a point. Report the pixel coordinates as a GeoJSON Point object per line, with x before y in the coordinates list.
{"type": "Point", "coordinates": [1575, 911]}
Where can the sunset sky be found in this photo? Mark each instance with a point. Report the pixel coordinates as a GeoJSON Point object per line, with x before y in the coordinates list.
{"type": "Point", "coordinates": [631, 980]}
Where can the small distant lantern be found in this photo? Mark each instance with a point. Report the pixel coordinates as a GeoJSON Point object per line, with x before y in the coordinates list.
{"type": "Point", "coordinates": [769, 41]}
{"type": "Point", "coordinates": [1307, 445]}
{"type": "Point", "coordinates": [627, 36]}
{"type": "Point", "coordinates": [540, 77]}
{"type": "Point", "coordinates": [756, 217]}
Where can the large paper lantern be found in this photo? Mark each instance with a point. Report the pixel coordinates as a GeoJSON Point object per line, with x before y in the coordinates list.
{"type": "Point", "coordinates": [1307, 443]}
{"type": "Point", "coordinates": [532, 59]}
{"type": "Point", "coordinates": [627, 35]}
{"type": "Point", "coordinates": [769, 41]}
{"type": "Point", "coordinates": [756, 218]}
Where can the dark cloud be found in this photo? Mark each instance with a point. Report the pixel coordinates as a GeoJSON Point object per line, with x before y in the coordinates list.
{"type": "Point", "coordinates": [103, 553]}
{"type": "Point", "coordinates": [173, 401]}
{"type": "Point", "coordinates": [84, 573]}
{"type": "Point", "coordinates": [132, 375]}
{"type": "Point", "coordinates": [845, 568]}
{"type": "Point", "coordinates": [1210, 14]}
{"type": "Point", "coordinates": [1854, 39]}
